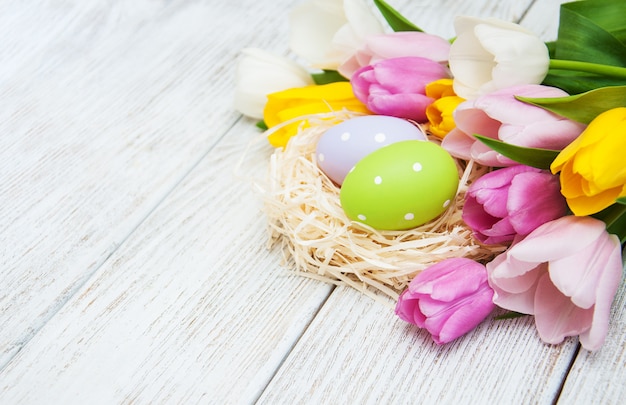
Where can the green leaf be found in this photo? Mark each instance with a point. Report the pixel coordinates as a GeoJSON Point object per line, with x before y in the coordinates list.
{"type": "Point", "coordinates": [582, 107]}
{"type": "Point", "coordinates": [618, 228]}
{"type": "Point", "coordinates": [575, 82]}
{"type": "Point", "coordinates": [621, 200]}
{"type": "Point", "coordinates": [396, 21]}
{"type": "Point", "coordinates": [328, 76]}
{"type": "Point", "coordinates": [592, 31]}
{"type": "Point", "coordinates": [535, 157]}
{"type": "Point", "coordinates": [262, 125]}
{"type": "Point", "coordinates": [615, 219]}
{"type": "Point", "coordinates": [509, 315]}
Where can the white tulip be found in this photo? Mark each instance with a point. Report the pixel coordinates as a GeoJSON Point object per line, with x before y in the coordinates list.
{"type": "Point", "coordinates": [327, 32]}
{"type": "Point", "coordinates": [260, 73]}
{"type": "Point", "coordinates": [491, 54]}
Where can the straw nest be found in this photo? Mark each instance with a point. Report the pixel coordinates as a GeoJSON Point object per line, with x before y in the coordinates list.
{"type": "Point", "coordinates": [306, 221]}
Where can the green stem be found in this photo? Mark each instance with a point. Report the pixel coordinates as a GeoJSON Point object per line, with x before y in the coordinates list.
{"type": "Point", "coordinates": [604, 70]}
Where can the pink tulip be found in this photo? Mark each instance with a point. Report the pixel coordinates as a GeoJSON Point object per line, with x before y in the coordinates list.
{"type": "Point", "coordinates": [449, 299]}
{"type": "Point", "coordinates": [499, 115]}
{"type": "Point", "coordinates": [396, 86]}
{"type": "Point", "coordinates": [504, 203]}
{"type": "Point", "coordinates": [566, 273]}
{"type": "Point", "coordinates": [395, 45]}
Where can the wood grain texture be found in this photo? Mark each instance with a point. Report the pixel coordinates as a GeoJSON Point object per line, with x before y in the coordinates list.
{"type": "Point", "coordinates": [600, 377]}
{"type": "Point", "coordinates": [191, 309]}
{"type": "Point", "coordinates": [343, 360]}
{"type": "Point", "coordinates": [133, 260]}
{"type": "Point", "coordinates": [104, 108]}
{"type": "Point", "coordinates": [437, 17]}
{"type": "Point", "coordinates": [542, 18]}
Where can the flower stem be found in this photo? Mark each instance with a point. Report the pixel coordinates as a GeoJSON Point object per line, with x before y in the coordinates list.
{"type": "Point", "coordinates": [596, 68]}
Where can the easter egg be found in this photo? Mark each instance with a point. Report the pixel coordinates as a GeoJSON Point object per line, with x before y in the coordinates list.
{"type": "Point", "coordinates": [400, 186]}
{"type": "Point", "coordinates": [344, 144]}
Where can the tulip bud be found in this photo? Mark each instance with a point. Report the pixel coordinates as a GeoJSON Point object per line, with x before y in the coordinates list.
{"type": "Point", "coordinates": [499, 115]}
{"type": "Point", "coordinates": [300, 102]}
{"type": "Point", "coordinates": [396, 86]}
{"type": "Point", "coordinates": [260, 73]}
{"type": "Point", "coordinates": [503, 203]}
{"type": "Point", "coordinates": [492, 54]}
{"type": "Point", "coordinates": [565, 273]}
{"type": "Point", "coordinates": [449, 299]}
{"type": "Point", "coordinates": [592, 172]}
{"type": "Point", "coordinates": [396, 45]}
{"type": "Point", "coordinates": [327, 32]}
{"type": "Point", "coordinates": [440, 113]}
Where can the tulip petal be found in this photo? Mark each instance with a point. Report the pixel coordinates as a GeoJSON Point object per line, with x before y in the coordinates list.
{"type": "Point", "coordinates": [556, 317]}
{"type": "Point", "coordinates": [511, 283]}
{"type": "Point", "coordinates": [449, 279]}
{"type": "Point", "coordinates": [405, 306]}
{"type": "Point", "coordinates": [477, 218]}
{"type": "Point", "coordinates": [407, 74]}
{"type": "Point", "coordinates": [473, 120]}
{"type": "Point", "coordinates": [410, 106]}
{"type": "Point", "coordinates": [553, 240]}
{"type": "Point", "coordinates": [470, 63]}
{"type": "Point", "coordinates": [458, 144]}
{"type": "Point", "coordinates": [310, 39]}
{"type": "Point", "coordinates": [578, 276]}
{"type": "Point", "coordinates": [526, 211]}
{"type": "Point", "coordinates": [605, 293]}
{"type": "Point", "coordinates": [552, 133]}
{"type": "Point", "coordinates": [502, 105]}
{"type": "Point", "coordinates": [501, 232]}
{"type": "Point", "coordinates": [590, 205]}
{"type": "Point", "coordinates": [493, 200]}
{"type": "Point", "coordinates": [467, 316]}
{"type": "Point", "coordinates": [489, 54]}
{"type": "Point", "coordinates": [407, 43]}
{"type": "Point", "coordinates": [525, 63]}
{"type": "Point", "coordinates": [260, 73]}
{"type": "Point", "coordinates": [514, 293]}
{"type": "Point", "coordinates": [361, 19]}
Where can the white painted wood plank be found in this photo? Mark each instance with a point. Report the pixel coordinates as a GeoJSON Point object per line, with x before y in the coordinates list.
{"type": "Point", "coordinates": [600, 377]}
{"type": "Point", "coordinates": [104, 107]}
{"type": "Point", "coordinates": [437, 17]}
{"type": "Point", "coordinates": [542, 18]}
{"type": "Point", "coordinates": [358, 351]}
{"type": "Point", "coordinates": [191, 309]}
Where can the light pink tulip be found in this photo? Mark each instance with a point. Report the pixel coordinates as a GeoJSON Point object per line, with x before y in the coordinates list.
{"type": "Point", "coordinates": [503, 203]}
{"type": "Point", "coordinates": [499, 115]}
{"type": "Point", "coordinates": [396, 45]}
{"type": "Point", "coordinates": [449, 299]}
{"type": "Point", "coordinates": [566, 274]}
{"type": "Point", "coordinates": [396, 86]}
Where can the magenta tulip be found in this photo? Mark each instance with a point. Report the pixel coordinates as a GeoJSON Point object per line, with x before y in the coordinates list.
{"type": "Point", "coordinates": [505, 203]}
{"type": "Point", "coordinates": [499, 115]}
{"type": "Point", "coordinates": [396, 86]}
{"type": "Point", "coordinates": [396, 45]}
{"type": "Point", "coordinates": [448, 299]}
{"type": "Point", "coordinates": [566, 274]}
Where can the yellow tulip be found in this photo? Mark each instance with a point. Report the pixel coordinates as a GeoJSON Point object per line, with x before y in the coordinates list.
{"type": "Point", "coordinates": [440, 88]}
{"type": "Point", "coordinates": [440, 112]}
{"type": "Point", "coordinates": [593, 172]}
{"type": "Point", "coordinates": [302, 101]}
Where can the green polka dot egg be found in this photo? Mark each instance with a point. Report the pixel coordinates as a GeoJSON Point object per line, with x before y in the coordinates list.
{"type": "Point", "coordinates": [400, 186]}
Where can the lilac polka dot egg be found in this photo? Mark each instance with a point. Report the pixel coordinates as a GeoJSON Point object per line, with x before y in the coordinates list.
{"type": "Point", "coordinates": [344, 144]}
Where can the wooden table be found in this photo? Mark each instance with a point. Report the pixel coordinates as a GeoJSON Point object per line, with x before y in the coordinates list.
{"type": "Point", "coordinates": [134, 266]}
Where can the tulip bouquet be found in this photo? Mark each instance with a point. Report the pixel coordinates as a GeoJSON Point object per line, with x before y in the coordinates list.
{"type": "Point", "coordinates": [538, 131]}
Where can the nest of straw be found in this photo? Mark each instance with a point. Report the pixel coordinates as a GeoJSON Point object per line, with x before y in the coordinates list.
{"type": "Point", "coordinates": [306, 221]}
